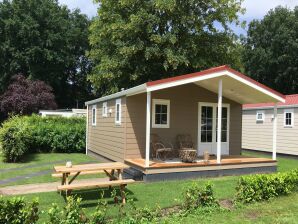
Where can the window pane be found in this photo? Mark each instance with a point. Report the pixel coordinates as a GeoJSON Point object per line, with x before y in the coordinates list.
{"type": "Point", "coordinates": [224, 112]}
{"type": "Point", "coordinates": [203, 136]}
{"type": "Point", "coordinates": [157, 108]}
{"type": "Point", "coordinates": [93, 116]}
{"type": "Point", "coordinates": [209, 124]}
{"type": "Point", "coordinates": [224, 136]}
{"type": "Point", "coordinates": [209, 111]}
{"type": "Point", "coordinates": [164, 118]}
{"type": "Point", "coordinates": [157, 118]}
{"type": "Point", "coordinates": [164, 108]}
{"type": "Point", "coordinates": [117, 112]}
{"type": "Point", "coordinates": [209, 136]}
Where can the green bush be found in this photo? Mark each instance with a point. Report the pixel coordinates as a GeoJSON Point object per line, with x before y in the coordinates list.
{"type": "Point", "coordinates": [72, 213]}
{"type": "Point", "coordinates": [24, 134]}
{"type": "Point", "coordinates": [260, 187]}
{"type": "Point", "coordinates": [196, 196]}
{"type": "Point", "coordinates": [16, 211]}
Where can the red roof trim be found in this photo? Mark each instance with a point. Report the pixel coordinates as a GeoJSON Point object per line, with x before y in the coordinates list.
{"type": "Point", "coordinates": [210, 71]}
{"type": "Point", "coordinates": [290, 100]}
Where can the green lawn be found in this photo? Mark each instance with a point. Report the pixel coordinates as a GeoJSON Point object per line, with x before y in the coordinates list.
{"type": "Point", "coordinates": [35, 163]}
{"type": "Point", "coordinates": [166, 194]}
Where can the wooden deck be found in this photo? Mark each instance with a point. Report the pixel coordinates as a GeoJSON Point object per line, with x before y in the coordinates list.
{"type": "Point", "coordinates": [229, 165]}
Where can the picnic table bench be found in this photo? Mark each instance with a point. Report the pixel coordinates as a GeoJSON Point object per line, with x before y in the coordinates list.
{"type": "Point", "coordinates": [113, 170]}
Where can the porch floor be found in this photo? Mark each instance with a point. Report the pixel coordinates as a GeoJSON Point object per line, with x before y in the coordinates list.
{"type": "Point", "coordinates": [230, 165]}
{"type": "Point", "coordinates": [226, 160]}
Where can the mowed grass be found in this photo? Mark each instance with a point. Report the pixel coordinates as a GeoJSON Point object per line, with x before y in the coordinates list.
{"type": "Point", "coordinates": [35, 163]}
{"type": "Point", "coordinates": [169, 193]}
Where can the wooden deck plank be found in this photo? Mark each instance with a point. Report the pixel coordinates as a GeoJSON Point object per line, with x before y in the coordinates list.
{"type": "Point", "coordinates": [227, 160]}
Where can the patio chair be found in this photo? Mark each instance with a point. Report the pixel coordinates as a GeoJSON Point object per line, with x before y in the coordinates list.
{"type": "Point", "coordinates": [160, 150]}
{"type": "Point", "coordinates": [185, 142]}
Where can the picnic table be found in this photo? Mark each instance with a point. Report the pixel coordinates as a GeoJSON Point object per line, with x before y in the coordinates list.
{"type": "Point", "coordinates": [113, 170]}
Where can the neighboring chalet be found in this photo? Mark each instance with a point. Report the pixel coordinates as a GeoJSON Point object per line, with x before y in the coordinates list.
{"type": "Point", "coordinates": [120, 126]}
{"type": "Point", "coordinates": [257, 126]}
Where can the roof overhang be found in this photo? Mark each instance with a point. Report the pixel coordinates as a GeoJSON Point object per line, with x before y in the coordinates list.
{"type": "Point", "coordinates": [236, 86]}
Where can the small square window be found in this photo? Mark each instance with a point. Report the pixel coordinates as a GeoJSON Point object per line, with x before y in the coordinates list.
{"type": "Point", "coordinates": [104, 109]}
{"type": "Point", "coordinates": [288, 118]}
{"type": "Point", "coordinates": [93, 115]}
{"type": "Point", "coordinates": [260, 116]}
{"type": "Point", "coordinates": [161, 113]}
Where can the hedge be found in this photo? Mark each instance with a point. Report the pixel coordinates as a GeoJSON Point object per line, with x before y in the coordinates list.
{"type": "Point", "coordinates": [16, 210]}
{"type": "Point", "coordinates": [261, 187]}
{"type": "Point", "coordinates": [20, 135]}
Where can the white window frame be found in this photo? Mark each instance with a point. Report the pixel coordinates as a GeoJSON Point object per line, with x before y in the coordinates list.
{"type": "Point", "coordinates": [289, 111]}
{"type": "Point", "coordinates": [161, 102]}
{"type": "Point", "coordinates": [263, 115]}
{"type": "Point", "coordinates": [104, 109]}
{"type": "Point", "coordinates": [93, 115]}
{"type": "Point", "coordinates": [118, 102]}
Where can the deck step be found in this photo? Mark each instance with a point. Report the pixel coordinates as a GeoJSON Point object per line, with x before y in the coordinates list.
{"type": "Point", "coordinates": [95, 185]}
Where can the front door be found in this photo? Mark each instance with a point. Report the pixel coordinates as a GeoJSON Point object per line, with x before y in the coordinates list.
{"type": "Point", "coordinates": [207, 130]}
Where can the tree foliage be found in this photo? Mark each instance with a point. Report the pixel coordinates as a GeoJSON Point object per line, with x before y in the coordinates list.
{"type": "Point", "coordinates": [45, 41]}
{"type": "Point", "coordinates": [271, 50]}
{"type": "Point", "coordinates": [134, 41]}
{"type": "Point", "coordinates": [24, 96]}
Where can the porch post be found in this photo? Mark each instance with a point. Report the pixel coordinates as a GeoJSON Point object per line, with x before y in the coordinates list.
{"type": "Point", "coordinates": [274, 132]}
{"type": "Point", "coordinates": [148, 117]}
{"type": "Point", "coordinates": [219, 111]}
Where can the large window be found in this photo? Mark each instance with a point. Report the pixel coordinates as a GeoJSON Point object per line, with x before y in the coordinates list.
{"type": "Point", "coordinates": [161, 113]}
{"type": "Point", "coordinates": [104, 109]}
{"type": "Point", "coordinates": [118, 112]}
{"type": "Point", "coordinates": [289, 118]}
{"type": "Point", "coordinates": [93, 117]}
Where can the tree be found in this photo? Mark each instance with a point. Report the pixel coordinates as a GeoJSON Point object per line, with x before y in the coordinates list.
{"type": "Point", "coordinates": [133, 41]}
{"type": "Point", "coordinates": [45, 41]}
{"type": "Point", "coordinates": [271, 50]}
{"type": "Point", "coordinates": [24, 96]}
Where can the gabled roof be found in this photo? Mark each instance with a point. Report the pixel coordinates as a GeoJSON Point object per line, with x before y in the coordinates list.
{"type": "Point", "coordinates": [290, 100]}
{"type": "Point", "coordinates": [202, 78]}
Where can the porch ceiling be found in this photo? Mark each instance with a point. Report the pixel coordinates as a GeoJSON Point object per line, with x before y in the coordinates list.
{"type": "Point", "coordinates": [235, 90]}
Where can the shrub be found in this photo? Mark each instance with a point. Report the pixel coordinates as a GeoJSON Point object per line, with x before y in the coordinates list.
{"type": "Point", "coordinates": [23, 134]}
{"type": "Point", "coordinates": [16, 210]}
{"type": "Point", "coordinates": [260, 187]}
{"type": "Point", "coordinates": [196, 196]}
{"type": "Point", "coordinates": [72, 213]}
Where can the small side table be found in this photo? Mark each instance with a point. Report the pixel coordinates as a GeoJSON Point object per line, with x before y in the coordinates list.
{"type": "Point", "coordinates": [188, 155]}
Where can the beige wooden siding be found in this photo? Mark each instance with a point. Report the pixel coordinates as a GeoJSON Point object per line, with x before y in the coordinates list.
{"type": "Point", "coordinates": [107, 138]}
{"type": "Point", "coordinates": [183, 117]}
{"type": "Point", "coordinates": [258, 135]}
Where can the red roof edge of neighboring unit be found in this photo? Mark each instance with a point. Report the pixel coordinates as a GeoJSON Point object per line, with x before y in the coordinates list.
{"type": "Point", "coordinates": [289, 100]}
{"type": "Point", "coordinates": [209, 71]}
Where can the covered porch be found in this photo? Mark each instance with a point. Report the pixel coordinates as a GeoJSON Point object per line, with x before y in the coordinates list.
{"type": "Point", "coordinates": [208, 106]}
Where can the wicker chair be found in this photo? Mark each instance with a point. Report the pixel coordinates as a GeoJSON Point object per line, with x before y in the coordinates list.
{"type": "Point", "coordinates": [160, 150]}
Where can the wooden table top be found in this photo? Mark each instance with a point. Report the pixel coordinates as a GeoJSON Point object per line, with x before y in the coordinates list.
{"type": "Point", "coordinates": [90, 167]}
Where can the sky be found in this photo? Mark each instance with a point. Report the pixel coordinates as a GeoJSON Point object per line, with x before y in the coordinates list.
{"type": "Point", "coordinates": [255, 9]}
